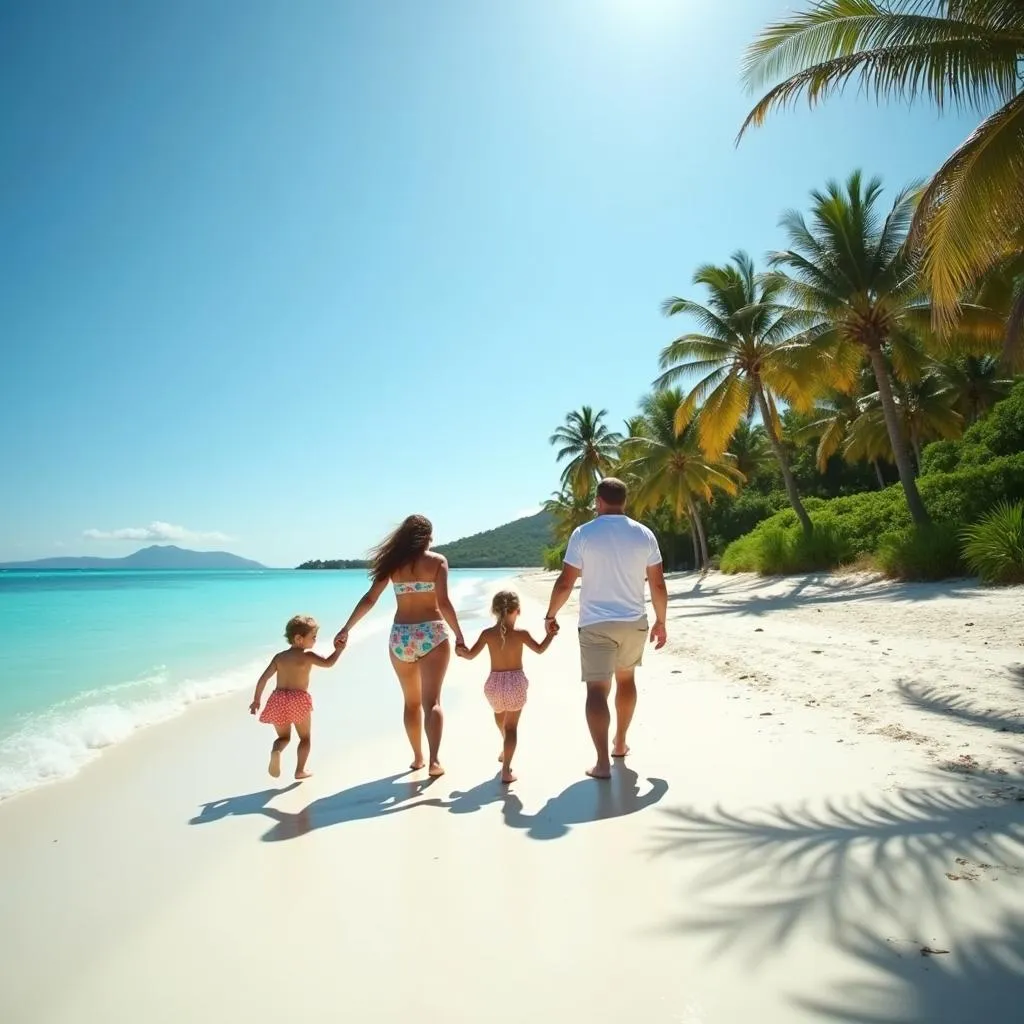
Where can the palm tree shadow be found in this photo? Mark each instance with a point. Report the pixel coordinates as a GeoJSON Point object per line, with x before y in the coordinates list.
{"type": "Point", "coordinates": [387, 795]}
{"type": "Point", "coordinates": [248, 803]}
{"type": "Point", "coordinates": [980, 979]}
{"type": "Point", "coordinates": [585, 801]}
{"type": "Point", "coordinates": [952, 704]}
{"type": "Point", "coordinates": [783, 870]}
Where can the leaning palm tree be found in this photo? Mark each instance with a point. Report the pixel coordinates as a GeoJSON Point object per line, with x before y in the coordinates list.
{"type": "Point", "coordinates": [743, 357]}
{"type": "Point", "coordinates": [589, 446]}
{"type": "Point", "coordinates": [960, 53]}
{"type": "Point", "coordinates": [975, 384]}
{"type": "Point", "coordinates": [852, 272]}
{"type": "Point", "coordinates": [672, 467]}
{"type": "Point", "coordinates": [926, 410]}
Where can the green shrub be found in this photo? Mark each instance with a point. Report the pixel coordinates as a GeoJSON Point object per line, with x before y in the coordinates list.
{"type": "Point", "coordinates": [1000, 433]}
{"type": "Point", "coordinates": [920, 553]}
{"type": "Point", "coordinates": [553, 557]}
{"type": "Point", "coordinates": [780, 550]}
{"type": "Point", "coordinates": [967, 494]}
{"type": "Point", "coordinates": [994, 547]}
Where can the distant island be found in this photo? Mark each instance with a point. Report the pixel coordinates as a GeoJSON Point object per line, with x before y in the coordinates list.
{"type": "Point", "coordinates": [335, 563]}
{"type": "Point", "coordinates": [519, 544]}
{"type": "Point", "coordinates": [158, 556]}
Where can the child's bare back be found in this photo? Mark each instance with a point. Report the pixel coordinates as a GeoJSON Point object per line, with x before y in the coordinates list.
{"type": "Point", "coordinates": [506, 647]}
{"type": "Point", "coordinates": [293, 667]}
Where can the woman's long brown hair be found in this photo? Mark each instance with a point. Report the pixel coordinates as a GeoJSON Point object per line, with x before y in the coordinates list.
{"type": "Point", "coordinates": [400, 547]}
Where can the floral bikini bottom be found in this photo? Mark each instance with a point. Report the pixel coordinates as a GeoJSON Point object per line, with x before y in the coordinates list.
{"type": "Point", "coordinates": [410, 641]}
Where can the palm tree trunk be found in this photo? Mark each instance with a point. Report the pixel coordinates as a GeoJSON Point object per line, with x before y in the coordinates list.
{"type": "Point", "coordinates": [878, 474]}
{"type": "Point", "coordinates": [696, 549]}
{"type": "Point", "coordinates": [702, 537]}
{"type": "Point", "coordinates": [917, 451]}
{"type": "Point", "coordinates": [780, 454]}
{"type": "Point", "coordinates": [896, 438]}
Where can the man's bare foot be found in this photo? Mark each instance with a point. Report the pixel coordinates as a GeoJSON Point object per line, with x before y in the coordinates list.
{"type": "Point", "coordinates": [620, 749]}
{"type": "Point", "coordinates": [600, 771]}
{"type": "Point", "coordinates": [435, 770]}
{"type": "Point", "coordinates": [303, 774]}
{"type": "Point", "coordinates": [417, 764]}
{"type": "Point", "coordinates": [275, 764]}
{"type": "Point", "coordinates": [507, 777]}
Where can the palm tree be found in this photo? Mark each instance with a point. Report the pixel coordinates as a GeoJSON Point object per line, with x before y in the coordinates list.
{"type": "Point", "coordinates": [925, 408]}
{"type": "Point", "coordinates": [852, 271]}
{"type": "Point", "coordinates": [569, 510]}
{"type": "Point", "coordinates": [975, 384]}
{"type": "Point", "coordinates": [672, 467]}
{"type": "Point", "coordinates": [743, 358]}
{"type": "Point", "coordinates": [750, 448]}
{"type": "Point", "coordinates": [588, 444]}
{"type": "Point", "coordinates": [961, 53]}
{"type": "Point", "coordinates": [836, 412]}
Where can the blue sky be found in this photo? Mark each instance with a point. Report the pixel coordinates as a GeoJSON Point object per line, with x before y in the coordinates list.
{"type": "Point", "coordinates": [273, 276]}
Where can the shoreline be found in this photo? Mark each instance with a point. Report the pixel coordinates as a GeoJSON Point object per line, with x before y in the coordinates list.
{"type": "Point", "coordinates": [770, 851]}
{"type": "Point", "coordinates": [191, 696]}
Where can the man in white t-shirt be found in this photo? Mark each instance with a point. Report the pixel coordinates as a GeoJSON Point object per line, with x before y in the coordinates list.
{"type": "Point", "coordinates": [615, 555]}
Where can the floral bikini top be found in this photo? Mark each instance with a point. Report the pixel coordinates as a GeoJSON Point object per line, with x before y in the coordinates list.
{"type": "Point", "coordinates": [419, 587]}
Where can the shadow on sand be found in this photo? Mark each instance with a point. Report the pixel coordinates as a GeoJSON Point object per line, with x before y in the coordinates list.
{"type": "Point", "coordinates": [812, 590]}
{"type": "Point", "coordinates": [387, 795]}
{"type": "Point", "coordinates": [877, 877]}
{"type": "Point", "coordinates": [584, 801]}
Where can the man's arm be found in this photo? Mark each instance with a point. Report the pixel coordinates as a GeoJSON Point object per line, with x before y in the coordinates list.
{"type": "Point", "coordinates": [560, 592]}
{"type": "Point", "coordinates": [659, 598]}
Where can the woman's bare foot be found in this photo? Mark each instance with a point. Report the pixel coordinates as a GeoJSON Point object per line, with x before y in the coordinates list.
{"type": "Point", "coordinates": [435, 770]}
{"type": "Point", "coordinates": [275, 764]}
{"type": "Point", "coordinates": [507, 777]}
{"type": "Point", "coordinates": [600, 771]}
{"type": "Point", "coordinates": [417, 764]}
{"type": "Point", "coordinates": [303, 774]}
{"type": "Point", "coordinates": [620, 750]}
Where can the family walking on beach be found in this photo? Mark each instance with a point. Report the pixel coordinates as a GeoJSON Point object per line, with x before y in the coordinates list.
{"type": "Point", "coordinates": [613, 556]}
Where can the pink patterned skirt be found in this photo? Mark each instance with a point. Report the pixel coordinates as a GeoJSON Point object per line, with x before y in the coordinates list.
{"type": "Point", "coordinates": [506, 691]}
{"type": "Point", "coordinates": [286, 707]}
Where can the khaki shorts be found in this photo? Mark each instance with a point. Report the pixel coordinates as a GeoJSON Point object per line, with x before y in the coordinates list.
{"type": "Point", "coordinates": [607, 646]}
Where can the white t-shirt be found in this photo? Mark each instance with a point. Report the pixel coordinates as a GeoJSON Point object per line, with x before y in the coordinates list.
{"type": "Point", "coordinates": [612, 552]}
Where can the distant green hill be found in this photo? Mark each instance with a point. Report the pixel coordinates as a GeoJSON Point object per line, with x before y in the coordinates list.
{"type": "Point", "coordinates": [518, 544]}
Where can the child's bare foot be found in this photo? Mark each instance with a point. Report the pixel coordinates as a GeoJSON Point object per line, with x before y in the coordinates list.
{"type": "Point", "coordinates": [303, 774]}
{"type": "Point", "coordinates": [275, 764]}
{"type": "Point", "coordinates": [507, 777]}
{"type": "Point", "coordinates": [418, 763]}
{"type": "Point", "coordinates": [620, 750]}
{"type": "Point", "coordinates": [600, 771]}
{"type": "Point", "coordinates": [435, 769]}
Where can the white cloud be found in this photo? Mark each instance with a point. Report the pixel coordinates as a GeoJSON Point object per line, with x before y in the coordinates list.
{"type": "Point", "coordinates": [157, 531]}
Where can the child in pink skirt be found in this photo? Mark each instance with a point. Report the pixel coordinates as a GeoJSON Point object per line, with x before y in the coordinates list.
{"type": "Point", "coordinates": [506, 686]}
{"type": "Point", "coordinates": [290, 703]}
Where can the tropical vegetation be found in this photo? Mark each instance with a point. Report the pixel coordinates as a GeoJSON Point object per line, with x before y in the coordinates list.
{"type": "Point", "coordinates": [853, 399]}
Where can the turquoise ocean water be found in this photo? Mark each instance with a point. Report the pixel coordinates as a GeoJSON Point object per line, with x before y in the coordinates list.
{"type": "Point", "coordinates": [89, 657]}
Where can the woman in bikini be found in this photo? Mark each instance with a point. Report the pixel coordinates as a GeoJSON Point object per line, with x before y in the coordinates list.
{"type": "Point", "coordinates": [418, 644]}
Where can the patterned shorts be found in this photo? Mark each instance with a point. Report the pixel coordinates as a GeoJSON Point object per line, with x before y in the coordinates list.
{"type": "Point", "coordinates": [506, 691]}
{"type": "Point", "coordinates": [286, 707]}
{"type": "Point", "coordinates": [410, 641]}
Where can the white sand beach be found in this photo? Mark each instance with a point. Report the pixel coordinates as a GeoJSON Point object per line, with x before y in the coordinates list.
{"type": "Point", "coordinates": [821, 820]}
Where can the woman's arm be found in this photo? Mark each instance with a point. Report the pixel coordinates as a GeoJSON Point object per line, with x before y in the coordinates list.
{"type": "Point", "coordinates": [444, 602]}
{"type": "Point", "coordinates": [363, 605]}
